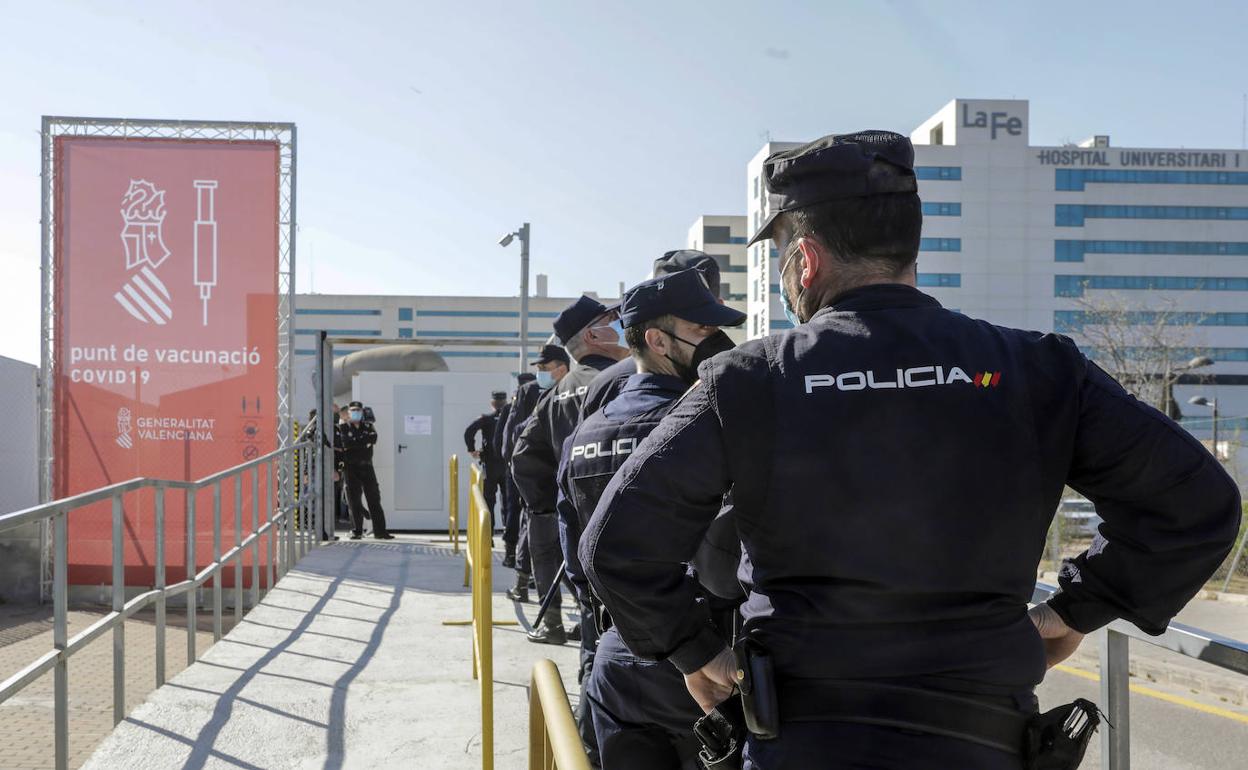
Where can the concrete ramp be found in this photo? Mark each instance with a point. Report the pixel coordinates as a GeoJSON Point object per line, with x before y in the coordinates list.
{"type": "Point", "coordinates": [345, 664]}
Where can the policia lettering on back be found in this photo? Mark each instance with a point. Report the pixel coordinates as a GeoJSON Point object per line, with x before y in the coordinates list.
{"type": "Point", "coordinates": [861, 497]}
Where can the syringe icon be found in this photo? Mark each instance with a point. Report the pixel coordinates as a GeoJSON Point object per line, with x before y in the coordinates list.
{"type": "Point", "coordinates": [205, 239]}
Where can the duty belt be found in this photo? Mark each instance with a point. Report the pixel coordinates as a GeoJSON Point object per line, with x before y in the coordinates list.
{"type": "Point", "coordinates": [912, 708]}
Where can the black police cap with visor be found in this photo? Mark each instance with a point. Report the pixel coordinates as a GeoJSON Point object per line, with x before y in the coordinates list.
{"type": "Point", "coordinates": [577, 316]}
{"type": "Point", "coordinates": [684, 259]}
{"type": "Point", "coordinates": [836, 167]}
{"type": "Point", "coordinates": [684, 295]}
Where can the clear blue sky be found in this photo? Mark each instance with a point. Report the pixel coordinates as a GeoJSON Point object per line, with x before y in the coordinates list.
{"type": "Point", "coordinates": [427, 130]}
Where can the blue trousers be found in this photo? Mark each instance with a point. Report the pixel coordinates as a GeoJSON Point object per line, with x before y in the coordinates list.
{"type": "Point", "coordinates": [643, 714]}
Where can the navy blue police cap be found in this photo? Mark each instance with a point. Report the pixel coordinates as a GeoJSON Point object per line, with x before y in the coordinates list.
{"type": "Point", "coordinates": [684, 259]}
{"type": "Point", "coordinates": [524, 377]}
{"type": "Point", "coordinates": [577, 316]}
{"type": "Point", "coordinates": [836, 167]}
{"type": "Point", "coordinates": [683, 295]}
{"type": "Point", "coordinates": [550, 353]}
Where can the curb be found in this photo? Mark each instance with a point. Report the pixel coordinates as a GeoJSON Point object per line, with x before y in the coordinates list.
{"type": "Point", "coordinates": [1230, 688]}
{"type": "Point", "coordinates": [1218, 596]}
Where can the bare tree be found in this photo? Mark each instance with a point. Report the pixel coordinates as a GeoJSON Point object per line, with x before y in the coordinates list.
{"type": "Point", "coordinates": [1145, 349]}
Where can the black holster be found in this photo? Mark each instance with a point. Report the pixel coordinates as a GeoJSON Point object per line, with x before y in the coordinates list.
{"type": "Point", "coordinates": [757, 682]}
{"type": "Point", "coordinates": [1058, 738]}
{"type": "Point", "coordinates": [722, 735]}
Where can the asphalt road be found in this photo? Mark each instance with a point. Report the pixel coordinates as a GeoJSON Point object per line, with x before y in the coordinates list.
{"type": "Point", "coordinates": [1171, 729]}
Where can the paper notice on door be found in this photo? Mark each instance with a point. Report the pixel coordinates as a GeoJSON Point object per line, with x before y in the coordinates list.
{"type": "Point", "coordinates": [418, 424]}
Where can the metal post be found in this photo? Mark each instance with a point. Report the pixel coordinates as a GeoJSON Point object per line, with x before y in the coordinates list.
{"type": "Point", "coordinates": [60, 638]}
{"type": "Point", "coordinates": [288, 524]}
{"type": "Point", "coordinates": [255, 527]}
{"type": "Point", "coordinates": [1230, 573]}
{"type": "Point", "coordinates": [119, 601]}
{"type": "Point", "coordinates": [216, 560]}
{"type": "Point", "coordinates": [238, 555]}
{"type": "Point", "coordinates": [272, 528]}
{"type": "Point", "coordinates": [47, 169]}
{"type": "Point", "coordinates": [303, 523]}
{"type": "Point", "coordinates": [485, 632]}
{"type": "Point", "coordinates": [160, 586]}
{"type": "Point", "coordinates": [325, 432]}
{"type": "Point", "coordinates": [524, 297]}
{"type": "Point", "coordinates": [1115, 697]}
{"type": "Point", "coordinates": [454, 503]}
{"type": "Point", "coordinates": [192, 593]}
{"type": "Point", "coordinates": [1214, 404]}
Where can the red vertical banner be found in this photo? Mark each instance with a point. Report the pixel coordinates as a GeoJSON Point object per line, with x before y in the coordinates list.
{"type": "Point", "coordinates": [165, 307]}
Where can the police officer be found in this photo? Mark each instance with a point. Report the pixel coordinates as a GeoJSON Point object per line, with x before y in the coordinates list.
{"type": "Point", "coordinates": [611, 380]}
{"type": "Point", "coordinates": [355, 439]}
{"type": "Point", "coordinates": [607, 385]}
{"type": "Point", "coordinates": [507, 490]}
{"type": "Point", "coordinates": [591, 334]}
{"type": "Point", "coordinates": [642, 714]}
{"type": "Point", "coordinates": [895, 468]}
{"type": "Point", "coordinates": [552, 366]}
{"type": "Point", "coordinates": [491, 461]}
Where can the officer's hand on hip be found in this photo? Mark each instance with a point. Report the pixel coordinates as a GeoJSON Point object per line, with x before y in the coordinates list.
{"type": "Point", "coordinates": [714, 682]}
{"type": "Point", "coordinates": [1060, 640]}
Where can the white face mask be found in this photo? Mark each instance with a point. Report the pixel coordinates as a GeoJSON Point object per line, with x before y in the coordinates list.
{"type": "Point", "coordinates": [545, 380]}
{"type": "Point", "coordinates": [617, 328]}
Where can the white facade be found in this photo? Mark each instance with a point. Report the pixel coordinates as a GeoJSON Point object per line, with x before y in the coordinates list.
{"type": "Point", "coordinates": [724, 237]}
{"type": "Point", "coordinates": [415, 317]}
{"type": "Point", "coordinates": [1028, 236]}
{"type": "Point", "coordinates": [765, 311]}
{"type": "Point", "coordinates": [19, 480]}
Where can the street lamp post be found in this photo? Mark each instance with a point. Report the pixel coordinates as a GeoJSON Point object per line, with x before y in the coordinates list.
{"type": "Point", "coordinates": [1212, 403]}
{"type": "Point", "coordinates": [523, 235]}
{"type": "Point", "coordinates": [1168, 405]}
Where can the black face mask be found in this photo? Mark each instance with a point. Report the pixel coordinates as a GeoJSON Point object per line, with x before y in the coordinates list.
{"type": "Point", "coordinates": [711, 346]}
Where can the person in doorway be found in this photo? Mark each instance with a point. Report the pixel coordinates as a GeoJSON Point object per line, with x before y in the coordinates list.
{"type": "Point", "coordinates": [356, 439]}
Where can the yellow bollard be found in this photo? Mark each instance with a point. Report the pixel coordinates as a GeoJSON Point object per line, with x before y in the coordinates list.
{"type": "Point", "coordinates": [452, 524]}
{"type": "Point", "coordinates": [478, 564]}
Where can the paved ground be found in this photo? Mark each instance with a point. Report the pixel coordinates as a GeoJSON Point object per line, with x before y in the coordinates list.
{"type": "Point", "coordinates": [346, 664]}
{"type": "Point", "coordinates": [26, 720]}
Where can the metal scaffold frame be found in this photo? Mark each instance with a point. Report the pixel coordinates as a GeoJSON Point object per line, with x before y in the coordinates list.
{"type": "Point", "coordinates": [284, 134]}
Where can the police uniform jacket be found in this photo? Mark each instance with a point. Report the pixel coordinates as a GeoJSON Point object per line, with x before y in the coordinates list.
{"type": "Point", "coordinates": [895, 467]}
{"type": "Point", "coordinates": [485, 425]}
{"type": "Point", "coordinates": [536, 457]}
{"type": "Point", "coordinates": [354, 442]}
{"type": "Point", "coordinates": [601, 444]}
{"type": "Point", "coordinates": [500, 425]}
{"type": "Point", "coordinates": [522, 406]}
{"type": "Point", "coordinates": [607, 385]}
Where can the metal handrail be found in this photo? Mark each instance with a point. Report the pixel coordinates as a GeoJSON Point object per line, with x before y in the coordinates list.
{"type": "Point", "coordinates": [294, 543]}
{"type": "Point", "coordinates": [554, 743]}
{"type": "Point", "coordinates": [1187, 641]}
